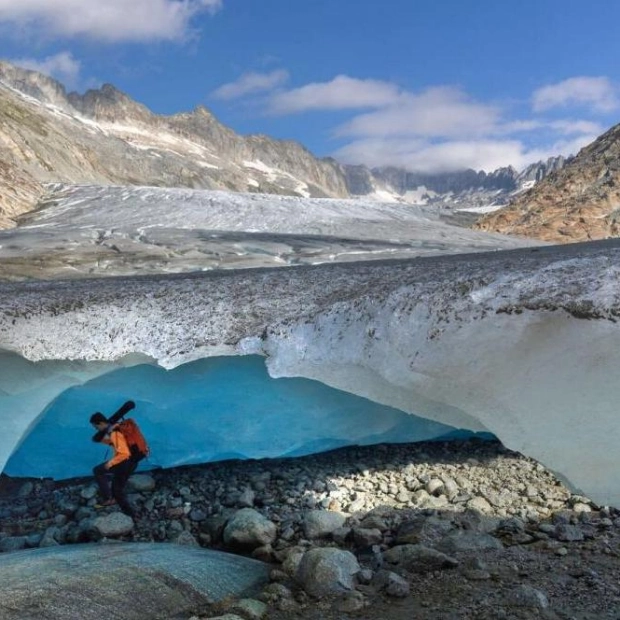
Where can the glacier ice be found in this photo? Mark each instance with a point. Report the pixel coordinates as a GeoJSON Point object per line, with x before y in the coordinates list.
{"type": "Point", "coordinates": [210, 410]}
{"type": "Point", "coordinates": [522, 344]}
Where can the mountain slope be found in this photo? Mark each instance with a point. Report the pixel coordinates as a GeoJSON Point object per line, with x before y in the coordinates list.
{"type": "Point", "coordinates": [580, 202]}
{"type": "Point", "coordinates": [103, 137]}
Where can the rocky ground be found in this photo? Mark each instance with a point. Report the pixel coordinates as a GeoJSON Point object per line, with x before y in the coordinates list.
{"type": "Point", "coordinates": [424, 531]}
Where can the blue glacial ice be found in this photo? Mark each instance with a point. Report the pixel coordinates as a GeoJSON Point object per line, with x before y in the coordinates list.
{"type": "Point", "coordinates": [210, 410]}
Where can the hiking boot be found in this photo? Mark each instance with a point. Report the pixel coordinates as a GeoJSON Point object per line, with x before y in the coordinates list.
{"type": "Point", "coordinates": [106, 503]}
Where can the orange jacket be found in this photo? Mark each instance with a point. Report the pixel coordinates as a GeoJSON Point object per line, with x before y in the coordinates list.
{"type": "Point", "coordinates": [119, 443]}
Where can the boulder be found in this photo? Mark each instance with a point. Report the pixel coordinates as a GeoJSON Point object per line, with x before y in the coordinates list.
{"type": "Point", "coordinates": [327, 572]}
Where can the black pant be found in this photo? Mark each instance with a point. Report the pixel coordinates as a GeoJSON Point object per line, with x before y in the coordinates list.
{"type": "Point", "coordinates": [118, 474]}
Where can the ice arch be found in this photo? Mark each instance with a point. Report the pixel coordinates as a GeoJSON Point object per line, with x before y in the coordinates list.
{"type": "Point", "coordinates": [209, 410]}
{"type": "Point", "coordinates": [524, 344]}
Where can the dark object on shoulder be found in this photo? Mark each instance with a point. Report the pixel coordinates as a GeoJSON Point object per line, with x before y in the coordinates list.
{"type": "Point", "coordinates": [113, 419]}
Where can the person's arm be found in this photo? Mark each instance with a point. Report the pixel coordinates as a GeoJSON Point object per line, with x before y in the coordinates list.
{"type": "Point", "coordinates": [121, 449]}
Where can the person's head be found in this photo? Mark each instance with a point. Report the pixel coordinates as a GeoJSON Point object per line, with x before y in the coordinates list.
{"type": "Point", "coordinates": [99, 421]}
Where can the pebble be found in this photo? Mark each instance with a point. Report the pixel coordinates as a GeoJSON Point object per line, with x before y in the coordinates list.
{"type": "Point", "coordinates": [419, 508]}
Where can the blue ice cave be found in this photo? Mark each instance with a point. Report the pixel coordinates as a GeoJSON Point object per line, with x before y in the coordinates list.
{"type": "Point", "coordinates": [210, 410]}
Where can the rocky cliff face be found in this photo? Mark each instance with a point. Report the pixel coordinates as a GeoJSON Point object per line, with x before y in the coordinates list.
{"type": "Point", "coordinates": [103, 136]}
{"type": "Point", "coordinates": [579, 202]}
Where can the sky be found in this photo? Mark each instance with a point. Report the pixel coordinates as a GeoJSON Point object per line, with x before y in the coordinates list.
{"type": "Point", "coordinates": [429, 85]}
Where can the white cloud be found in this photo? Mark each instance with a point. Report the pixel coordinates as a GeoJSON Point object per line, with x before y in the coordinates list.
{"type": "Point", "coordinates": [108, 20]}
{"type": "Point", "coordinates": [437, 112]}
{"type": "Point", "coordinates": [62, 66]}
{"type": "Point", "coordinates": [569, 127]}
{"type": "Point", "coordinates": [429, 157]}
{"type": "Point", "coordinates": [250, 83]}
{"type": "Point", "coordinates": [595, 92]}
{"type": "Point", "coordinates": [341, 93]}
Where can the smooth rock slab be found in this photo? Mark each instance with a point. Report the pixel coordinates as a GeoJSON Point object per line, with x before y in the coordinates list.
{"type": "Point", "coordinates": [133, 581]}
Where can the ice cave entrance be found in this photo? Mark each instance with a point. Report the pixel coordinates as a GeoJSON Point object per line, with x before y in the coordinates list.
{"type": "Point", "coordinates": [211, 410]}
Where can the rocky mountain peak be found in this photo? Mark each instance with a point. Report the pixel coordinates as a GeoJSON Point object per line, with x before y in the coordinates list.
{"type": "Point", "coordinates": [109, 104]}
{"type": "Point", "coordinates": [579, 200]}
{"type": "Point", "coordinates": [34, 84]}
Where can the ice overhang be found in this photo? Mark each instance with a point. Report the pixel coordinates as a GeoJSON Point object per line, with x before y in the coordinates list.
{"type": "Point", "coordinates": [522, 343]}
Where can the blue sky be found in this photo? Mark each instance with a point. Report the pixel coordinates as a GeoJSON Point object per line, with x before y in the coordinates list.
{"type": "Point", "coordinates": [431, 85]}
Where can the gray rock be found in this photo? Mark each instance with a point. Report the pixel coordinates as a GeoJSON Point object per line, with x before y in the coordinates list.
{"type": "Point", "coordinates": [327, 572]}
{"type": "Point", "coordinates": [141, 482]}
{"type": "Point", "coordinates": [418, 558]}
{"type": "Point", "coordinates": [246, 499]}
{"type": "Point", "coordinates": [390, 583]}
{"type": "Point", "coordinates": [133, 580]}
{"type": "Point", "coordinates": [568, 533]}
{"type": "Point", "coordinates": [89, 492]}
{"type": "Point", "coordinates": [249, 529]}
{"type": "Point", "coordinates": [322, 523]}
{"type": "Point", "coordinates": [527, 596]}
{"type": "Point", "coordinates": [186, 538]}
{"type": "Point", "coordinates": [463, 541]}
{"type": "Point", "coordinates": [365, 537]}
{"type": "Point", "coordinates": [113, 525]}
{"type": "Point", "coordinates": [13, 543]}
{"type": "Point", "coordinates": [250, 608]}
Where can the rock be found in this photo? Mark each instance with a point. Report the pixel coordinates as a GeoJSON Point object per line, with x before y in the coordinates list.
{"type": "Point", "coordinates": [141, 482]}
{"type": "Point", "coordinates": [480, 504]}
{"type": "Point", "coordinates": [131, 581]}
{"type": "Point", "coordinates": [246, 499]}
{"type": "Point", "coordinates": [365, 537]}
{"type": "Point", "coordinates": [26, 489]}
{"type": "Point", "coordinates": [327, 572]}
{"type": "Point", "coordinates": [249, 529]}
{"type": "Point", "coordinates": [568, 533]}
{"type": "Point", "coordinates": [89, 492]}
{"type": "Point", "coordinates": [113, 525]}
{"type": "Point", "coordinates": [13, 543]}
{"type": "Point", "coordinates": [418, 558]}
{"type": "Point", "coordinates": [390, 583]}
{"type": "Point", "coordinates": [250, 608]}
{"type": "Point", "coordinates": [527, 596]}
{"type": "Point", "coordinates": [464, 541]}
{"type": "Point", "coordinates": [186, 538]}
{"type": "Point", "coordinates": [350, 602]}
{"type": "Point", "coordinates": [322, 523]}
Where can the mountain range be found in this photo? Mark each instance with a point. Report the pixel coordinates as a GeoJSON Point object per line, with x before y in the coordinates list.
{"type": "Point", "coordinates": [104, 137]}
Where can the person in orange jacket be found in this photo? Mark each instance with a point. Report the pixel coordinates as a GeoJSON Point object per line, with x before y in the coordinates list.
{"type": "Point", "coordinates": [118, 468]}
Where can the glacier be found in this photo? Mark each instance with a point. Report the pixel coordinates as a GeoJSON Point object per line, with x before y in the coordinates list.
{"type": "Point", "coordinates": [210, 410]}
{"type": "Point", "coordinates": [248, 326]}
{"type": "Point", "coordinates": [522, 344]}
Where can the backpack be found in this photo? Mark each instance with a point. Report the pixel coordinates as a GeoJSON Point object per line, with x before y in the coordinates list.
{"type": "Point", "coordinates": [135, 439]}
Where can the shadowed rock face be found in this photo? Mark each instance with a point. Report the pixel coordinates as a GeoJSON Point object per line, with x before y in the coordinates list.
{"type": "Point", "coordinates": [121, 580]}
{"type": "Point", "coordinates": [580, 202]}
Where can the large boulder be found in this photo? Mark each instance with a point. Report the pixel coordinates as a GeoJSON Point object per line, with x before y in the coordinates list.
{"type": "Point", "coordinates": [132, 581]}
{"type": "Point", "coordinates": [249, 529]}
{"type": "Point", "coordinates": [327, 572]}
